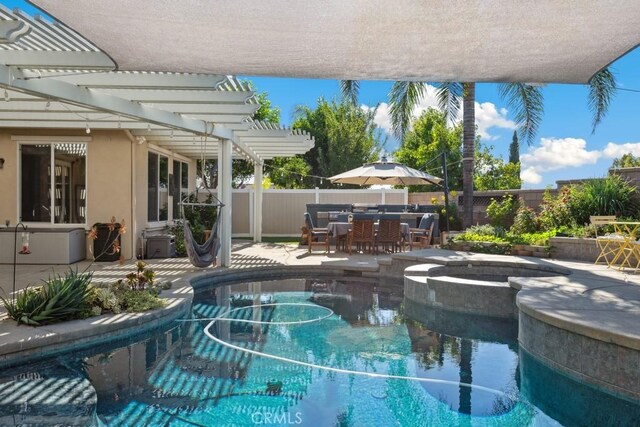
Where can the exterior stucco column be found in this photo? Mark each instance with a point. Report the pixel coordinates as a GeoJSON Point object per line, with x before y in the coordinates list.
{"type": "Point", "coordinates": [224, 192]}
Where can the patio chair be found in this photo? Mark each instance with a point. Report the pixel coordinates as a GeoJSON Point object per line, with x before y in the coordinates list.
{"type": "Point", "coordinates": [609, 244]}
{"type": "Point", "coordinates": [362, 234]}
{"type": "Point", "coordinates": [422, 235]}
{"type": "Point", "coordinates": [389, 235]}
{"type": "Point", "coordinates": [315, 236]}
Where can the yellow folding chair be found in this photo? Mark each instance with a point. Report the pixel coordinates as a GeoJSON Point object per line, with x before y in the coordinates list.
{"type": "Point", "coordinates": [610, 244]}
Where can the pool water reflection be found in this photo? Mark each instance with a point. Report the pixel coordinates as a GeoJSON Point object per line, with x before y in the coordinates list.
{"type": "Point", "coordinates": [316, 352]}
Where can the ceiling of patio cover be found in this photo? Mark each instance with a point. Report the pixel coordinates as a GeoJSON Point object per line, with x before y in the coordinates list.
{"type": "Point", "coordinates": [436, 40]}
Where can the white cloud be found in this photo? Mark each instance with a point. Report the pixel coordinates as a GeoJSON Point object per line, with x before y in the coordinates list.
{"type": "Point", "coordinates": [558, 153]}
{"type": "Point", "coordinates": [530, 176]}
{"type": "Point", "coordinates": [613, 150]}
{"type": "Point", "coordinates": [554, 154]}
{"type": "Point", "coordinates": [487, 115]}
{"type": "Point", "coordinates": [382, 117]}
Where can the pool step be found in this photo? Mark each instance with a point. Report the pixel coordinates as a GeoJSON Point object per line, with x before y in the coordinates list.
{"type": "Point", "coordinates": [53, 395]}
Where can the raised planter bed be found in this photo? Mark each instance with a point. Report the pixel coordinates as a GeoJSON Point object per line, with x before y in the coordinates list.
{"type": "Point", "coordinates": [530, 250]}
{"type": "Point", "coordinates": [575, 248]}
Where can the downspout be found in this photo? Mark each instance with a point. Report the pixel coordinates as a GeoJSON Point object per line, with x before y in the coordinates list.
{"type": "Point", "coordinates": [134, 225]}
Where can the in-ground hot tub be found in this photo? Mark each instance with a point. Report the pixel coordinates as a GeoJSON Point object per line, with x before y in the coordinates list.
{"type": "Point", "coordinates": [475, 287]}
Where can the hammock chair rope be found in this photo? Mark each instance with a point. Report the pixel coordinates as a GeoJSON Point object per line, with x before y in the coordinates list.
{"type": "Point", "coordinates": [201, 255]}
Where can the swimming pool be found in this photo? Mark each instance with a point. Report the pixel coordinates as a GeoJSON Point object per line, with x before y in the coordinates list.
{"type": "Point", "coordinates": [312, 352]}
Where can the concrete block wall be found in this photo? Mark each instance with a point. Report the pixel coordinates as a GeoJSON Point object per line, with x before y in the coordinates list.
{"type": "Point", "coordinates": [531, 198]}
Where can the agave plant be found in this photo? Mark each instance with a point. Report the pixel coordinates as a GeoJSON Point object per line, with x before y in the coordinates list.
{"type": "Point", "coordinates": [25, 301]}
{"type": "Point", "coordinates": [60, 298]}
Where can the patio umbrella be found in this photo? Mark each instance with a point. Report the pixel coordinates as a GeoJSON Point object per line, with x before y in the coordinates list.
{"type": "Point", "coordinates": [385, 173]}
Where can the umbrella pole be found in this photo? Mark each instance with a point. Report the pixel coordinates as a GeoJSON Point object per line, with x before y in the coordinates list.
{"type": "Point", "coordinates": [445, 185]}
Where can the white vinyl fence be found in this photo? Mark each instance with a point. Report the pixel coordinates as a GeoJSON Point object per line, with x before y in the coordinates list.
{"type": "Point", "coordinates": [283, 210]}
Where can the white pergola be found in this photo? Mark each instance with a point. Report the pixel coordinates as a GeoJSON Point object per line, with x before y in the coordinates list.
{"type": "Point", "coordinates": [555, 41]}
{"type": "Point", "coordinates": [53, 77]}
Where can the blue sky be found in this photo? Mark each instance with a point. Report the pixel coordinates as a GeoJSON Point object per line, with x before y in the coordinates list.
{"type": "Point", "coordinates": [564, 148]}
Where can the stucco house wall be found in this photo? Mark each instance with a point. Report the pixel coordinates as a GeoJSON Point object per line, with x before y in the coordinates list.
{"type": "Point", "coordinates": [116, 181]}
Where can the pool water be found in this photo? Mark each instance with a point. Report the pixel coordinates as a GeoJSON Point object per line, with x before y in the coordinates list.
{"type": "Point", "coordinates": [310, 352]}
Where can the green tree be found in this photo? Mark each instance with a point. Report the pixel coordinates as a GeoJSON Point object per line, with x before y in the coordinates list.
{"type": "Point", "coordinates": [267, 112]}
{"type": "Point", "coordinates": [514, 158]}
{"type": "Point", "coordinates": [514, 149]}
{"type": "Point", "coordinates": [493, 173]}
{"type": "Point", "coordinates": [430, 136]}
{"type": "Point", "coordinates": [345, 137]}
{"type": "Point", "coordinates": [524, 99]}
{"type": "Point", "coordinates": [422, 145]}
{"type": "Point", "coordinates": [288, 172]}
{"type": "Point", "coordinates": [626, 161]}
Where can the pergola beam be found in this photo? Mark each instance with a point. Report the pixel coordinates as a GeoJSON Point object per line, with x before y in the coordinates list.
{"type": "Point", "coordinates": [131, 80]}
{"type": "Point", "coordinates": [54, 59]}
{"type": "Point", "coordinates": [177, 96]}
{"type": "Point", "coordinates": [97, 116]}
{"type": "Point", "coordinates": [77, 124]}
{"type": "Point", "coordinates": [97, 99]}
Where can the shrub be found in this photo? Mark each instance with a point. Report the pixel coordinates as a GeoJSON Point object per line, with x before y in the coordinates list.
{"type": "Point", "coordinates": [455, 222]}
{"type": "Point", "coordinates": [536, 239]}
{"type": "Point", "coordinates": [501, 213]}
{"type": "Point", "coordinates": [473, 237]}
{"type": "Point", "coordinates": [582, 231]}
{"type": "Point", "coordinates": [144, 300]}
{"type": "Point", "coordinates": [142, 277]}
{"type": "Point", "coordinates": [498, 248]}
{"type": "Point", "coordinates": [483, 239]}
{"type": "Point", "coordinates": [60, 298]}
{"type": "Point", "coordinates": [525, 221]}
{"type": "Point", "coordinates": [104, 299]}
{"type": "Point", "coordinates": [605, 196]}
{"type": "Point", "coordinates": [485, 230]}
{"type": "Point", "coordinates": [177, 230]}
{"type": "Point", "coordinates": [137, 292]}
{"type": "Point", "coordinates": [554, 211]}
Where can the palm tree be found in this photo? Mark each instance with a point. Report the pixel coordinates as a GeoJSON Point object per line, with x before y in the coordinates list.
{"type": "Point", "coordinates": [525, 100]}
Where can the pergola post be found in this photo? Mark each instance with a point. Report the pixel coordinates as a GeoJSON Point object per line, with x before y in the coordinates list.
{"type": "Point", "coordinates": [224, 191]}
{"type": "Point", "coordinates": [257, 202]}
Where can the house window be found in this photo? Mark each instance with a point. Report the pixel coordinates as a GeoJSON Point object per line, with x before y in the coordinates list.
{"type": "Point", "coordinates": [180, 185]}
{"type": "Point", "coordinates": [158, 196]}
{"type": "Point", "coordinates": [61, 200]}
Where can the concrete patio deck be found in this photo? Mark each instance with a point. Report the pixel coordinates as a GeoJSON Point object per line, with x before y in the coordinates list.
{"type": "Point", "coordinates": [245, 254]}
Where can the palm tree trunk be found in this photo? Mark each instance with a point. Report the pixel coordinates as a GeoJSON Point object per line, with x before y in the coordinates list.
{"type": "Point", "coordinates": [468, 150]}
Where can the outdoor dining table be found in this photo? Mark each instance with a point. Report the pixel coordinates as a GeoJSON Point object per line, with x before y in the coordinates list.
{"type": "Point", "coordinates": [337, 229]}
{"type": "Point", "coordinates": [627, 243]}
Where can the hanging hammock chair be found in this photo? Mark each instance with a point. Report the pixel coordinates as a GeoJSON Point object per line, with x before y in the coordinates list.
{"type": "Point", "coordinates": [201, 255]}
